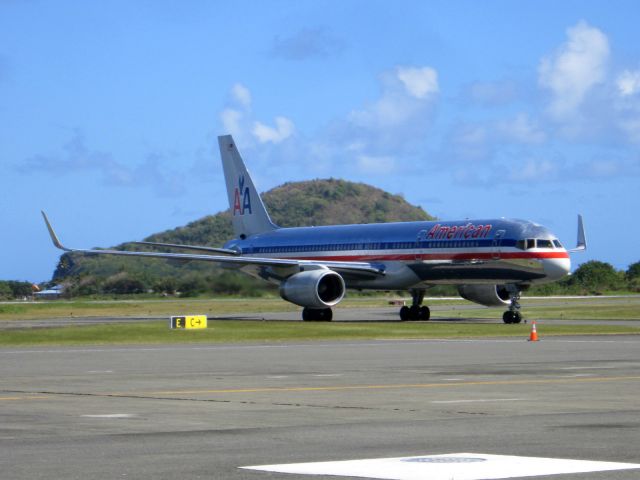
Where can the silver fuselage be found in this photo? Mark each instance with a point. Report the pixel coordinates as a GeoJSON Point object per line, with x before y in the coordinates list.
{"type": "Point", "coordinates": [412, 254]}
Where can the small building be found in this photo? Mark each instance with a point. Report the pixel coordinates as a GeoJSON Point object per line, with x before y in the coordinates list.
{"type": "Point", "coordinates": [52, 293]}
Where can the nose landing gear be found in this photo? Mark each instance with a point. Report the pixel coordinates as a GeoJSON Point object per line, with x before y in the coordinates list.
{"type": "Point", "coordinates": [416, 311]}
{"type": "Point", "coordinates": [513, 315]}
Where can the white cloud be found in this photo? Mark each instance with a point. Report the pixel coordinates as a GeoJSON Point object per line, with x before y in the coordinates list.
{"type": "Point", "coordinates": [376, 165]}
{"type": "Point", "coordinates": [239, 120]}
{"type": "Point", "coordinates": [419, 82]}
{"type": "Point", "coordinates": [533, 171]}
{"type": "Point", "coordinates": [231, 121]}
{"type": "Point", "coordinates": [468, 142]}
{"type": "Point", "coordinates": [407, 92]}
{"type": "Point", "coordinates": [388, 111]}
{"type": "Point", "coordinates": [575, 68]}
{"type": "Point", "coordinates": [628, 82]}
{"type": "Point", "coordinates": [284, 129]}
{"type": "Point", "coordinates": [241, 94]}
{"type": "Point", "coordinates": [521, 129]}
{"type": "Point", "coordinates": [482, 141]}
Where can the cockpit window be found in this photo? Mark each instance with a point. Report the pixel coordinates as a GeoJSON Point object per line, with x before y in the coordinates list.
{"type": "Point", "coordinates": [544, 243]}
{"type": "Point", "coordinates": [557, 244]}
{"type": "Point", "coordinates": [526, 244]}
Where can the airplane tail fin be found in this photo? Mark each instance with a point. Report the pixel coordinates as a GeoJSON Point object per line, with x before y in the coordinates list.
{"type": "Point", "coordinates": [248, 213]}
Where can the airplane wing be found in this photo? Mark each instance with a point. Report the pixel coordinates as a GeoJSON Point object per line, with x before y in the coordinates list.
{"type": "Point", "coordinates": [195, 248]}
{"type": "Point", "coordinates": [352, 268]}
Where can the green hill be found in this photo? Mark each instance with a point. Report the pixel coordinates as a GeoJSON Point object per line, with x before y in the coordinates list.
{"type": "Point", "coordinates": [315, 202]}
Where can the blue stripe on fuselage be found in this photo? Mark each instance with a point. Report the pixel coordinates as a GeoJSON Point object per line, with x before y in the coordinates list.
{"type": "Point", "coordinates": [374, 246]}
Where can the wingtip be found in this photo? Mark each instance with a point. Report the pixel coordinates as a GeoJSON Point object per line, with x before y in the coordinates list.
{"type": "Point", "coordinates": [52, 233]}
{"type": "Point", "coordinates": [581, 243]}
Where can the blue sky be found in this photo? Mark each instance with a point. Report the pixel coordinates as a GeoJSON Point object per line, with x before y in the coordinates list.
{"type": "Point", "coordinates": [109, 112]}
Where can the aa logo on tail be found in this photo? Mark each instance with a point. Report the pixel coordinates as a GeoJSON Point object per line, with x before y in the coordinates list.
{"type": "Point", "coordinates": [241, 198]}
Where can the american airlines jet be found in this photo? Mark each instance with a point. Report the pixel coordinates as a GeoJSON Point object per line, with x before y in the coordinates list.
{"type": "Point", "coordinates": [491, 261]}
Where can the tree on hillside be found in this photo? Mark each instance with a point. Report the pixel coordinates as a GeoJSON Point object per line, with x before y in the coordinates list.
{"type": "Point", "coordinates": [122, 283]}
{"type": "Point", "coordinates": [5, 291]}
{"type": "Point", "coordinates": [632, 276]}
{"type": "Point", "coordinates": [15, 289]}
{"type": "Point", "coordinates": [597, 277]}
{"type": "Point", "coordinates": [633, 271]}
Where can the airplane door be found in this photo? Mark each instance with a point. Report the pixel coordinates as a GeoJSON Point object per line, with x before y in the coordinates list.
{"type": "Point", "coordinates": [497, 243]}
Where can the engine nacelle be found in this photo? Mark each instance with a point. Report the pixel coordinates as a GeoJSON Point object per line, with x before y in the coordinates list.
{"type": "Point", "coordinates": [314, 288]}
{"type": "Point", "coordinates": [487, 295]}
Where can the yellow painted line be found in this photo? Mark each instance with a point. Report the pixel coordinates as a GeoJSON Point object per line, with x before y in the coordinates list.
{"type": "Point", "coordinates": [400, 386]}
{"type": "Point", "coordinates": [33, 397]}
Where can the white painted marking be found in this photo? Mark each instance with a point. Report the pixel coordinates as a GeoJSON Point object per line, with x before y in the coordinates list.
{"type": "Point", "coordinates": [364, 344]}
{"type": "Point", "coordinates": [100, 371]}
{"type": "Point", "coordinates": [461, 466]}
{"type": "Point", "coordinates": [111, 415]}
{"type": "Point", "coordinates": [279, 376]}
{"type": "Point", "coordinates": [480, 400]}
{"type": "Point", "coordinates": [587, 368]}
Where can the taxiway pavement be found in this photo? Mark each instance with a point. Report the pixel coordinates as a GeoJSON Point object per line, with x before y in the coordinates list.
{"type": "Point", "coordinates": [440, 314]}
{"type": "Point", "coordinates": [203, 411]}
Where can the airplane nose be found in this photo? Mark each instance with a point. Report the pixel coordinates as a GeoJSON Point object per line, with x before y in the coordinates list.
{"type": "Point", "coordinates": [556, 268]}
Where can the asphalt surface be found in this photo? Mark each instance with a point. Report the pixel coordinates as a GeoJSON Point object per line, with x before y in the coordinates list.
{"type": "Point", "coordinates": [387, 314]}
{"type": "Point", "coordinates": [168, 412]}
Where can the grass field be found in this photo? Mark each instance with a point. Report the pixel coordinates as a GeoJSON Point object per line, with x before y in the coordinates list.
{"type": "Point", "coordinates": [619, 308]}
{"type": "Point", "coordinates": [610, 308]}
{"type": "Point", "coordinates": [156, 332]}
{"type": "Point", "coordinates": [245, 331]}
{"type": "Point", "coordinates": [139, 308]}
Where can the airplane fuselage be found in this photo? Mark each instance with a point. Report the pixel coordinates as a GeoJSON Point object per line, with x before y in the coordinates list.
{"type": "Point", "coordinates": [421, 253]}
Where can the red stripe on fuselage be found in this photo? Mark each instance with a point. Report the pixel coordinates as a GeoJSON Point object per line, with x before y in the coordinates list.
{"type": "Point", "coordinates": [438, 256]}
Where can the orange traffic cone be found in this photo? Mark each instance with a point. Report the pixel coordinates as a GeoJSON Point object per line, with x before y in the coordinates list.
{"type": "Point", "coordinates": [533, 337]}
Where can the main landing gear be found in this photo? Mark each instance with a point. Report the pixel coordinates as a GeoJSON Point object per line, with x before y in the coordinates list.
{"type": "Point", "coordinates": [513, 315]}
{"type": "Point", "coordinates": [416, 311]}
{"type": "Point", "coordinates": [317, 314]}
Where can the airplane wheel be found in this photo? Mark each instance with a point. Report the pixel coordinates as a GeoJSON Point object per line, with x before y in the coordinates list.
{"type": "Point", "coordinates": [317, 314]}
{"type": "Point", "coordinates": [327, 315]}
{"type": "Point", "coordinates": [511, 317]}
{"type": "Point", "coordinates": [404, 313]}
{"type": "Point", "coordinates": [414, 312]}
{"type": "Point", "coordinates": [425, 313]}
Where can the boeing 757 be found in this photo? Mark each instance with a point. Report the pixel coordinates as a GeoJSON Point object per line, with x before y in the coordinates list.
{"type": "Point", "coordinates": [491, 261]}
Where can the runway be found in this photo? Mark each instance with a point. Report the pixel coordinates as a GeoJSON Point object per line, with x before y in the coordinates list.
{"type": "Point", "coordinates": [203, 411]}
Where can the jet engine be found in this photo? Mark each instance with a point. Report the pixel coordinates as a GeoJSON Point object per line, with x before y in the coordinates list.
{"type": "Point", "coordinates": [487, 295]}
{"type": "Point", "coordinates": [320, 288]}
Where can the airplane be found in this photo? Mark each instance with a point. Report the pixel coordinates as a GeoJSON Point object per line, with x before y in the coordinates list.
{"type": "Point", "coordinates": [490, 261]}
